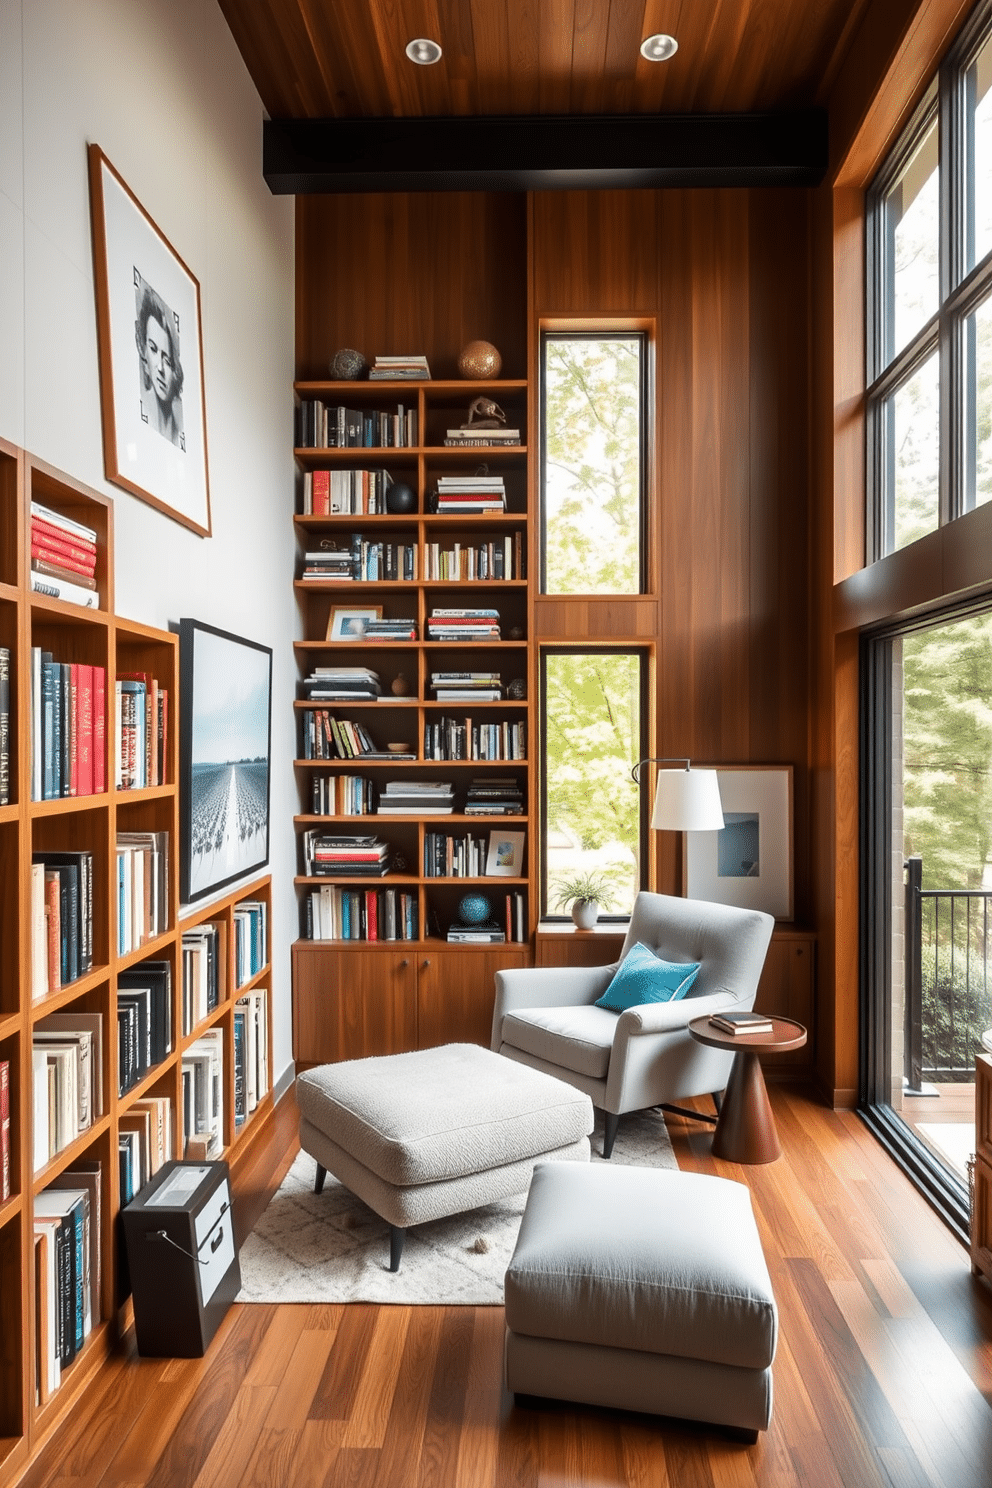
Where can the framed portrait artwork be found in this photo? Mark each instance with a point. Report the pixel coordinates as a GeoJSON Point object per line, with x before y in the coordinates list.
{"type": "Point", "coordinates": [349, 624]}
{"type": "Point", "coordinates": [749, 862]}
{"type": "Point", "coordinates": [151, 355]}
{"type": "Point", "coordinates": [225, 713]}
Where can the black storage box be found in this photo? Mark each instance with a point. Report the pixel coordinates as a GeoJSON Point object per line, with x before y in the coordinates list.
{"type": "Point", "coordinates": [182, 1258]}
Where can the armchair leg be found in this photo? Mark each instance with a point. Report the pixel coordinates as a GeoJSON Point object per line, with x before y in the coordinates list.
{"type": "Point", "coordinates": [610, 1124]}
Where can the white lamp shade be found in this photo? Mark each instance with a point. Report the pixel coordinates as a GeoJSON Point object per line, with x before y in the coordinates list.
{"type": "Point", "coordinates": [687, 801]}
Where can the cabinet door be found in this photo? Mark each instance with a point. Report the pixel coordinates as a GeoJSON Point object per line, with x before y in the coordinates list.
{"type": "Point", "coordinates": [786, 990]}
{"type": "Point", "coordinates": [348, 1004]}
{"type": "Point", "coordinates": [456, 990]}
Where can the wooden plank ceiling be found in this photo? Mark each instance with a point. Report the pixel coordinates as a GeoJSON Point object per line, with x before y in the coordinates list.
{"type": "Point", "coordinates": [345, 58]}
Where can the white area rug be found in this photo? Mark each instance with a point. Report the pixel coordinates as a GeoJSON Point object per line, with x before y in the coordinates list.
{"type": "Point", "coordinates": [331, 1247]}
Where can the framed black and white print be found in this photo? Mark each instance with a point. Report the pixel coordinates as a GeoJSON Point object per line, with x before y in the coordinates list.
{"type": "Point", "coordinates": [749, 862]}
{"type": "Point", "coordinates": [151, 355]}
{"type": "Point", "coordinates": [225, 710]}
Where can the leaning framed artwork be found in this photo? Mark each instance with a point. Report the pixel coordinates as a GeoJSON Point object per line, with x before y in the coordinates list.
{"type": "Point", "coordinates": [225, 715]}
{"type": "Point", "coordinates": [151, 355]}
{"type": "Point", "coordinates": [348, 624]}
{"type": "Point", "coordinates": [749, 862]}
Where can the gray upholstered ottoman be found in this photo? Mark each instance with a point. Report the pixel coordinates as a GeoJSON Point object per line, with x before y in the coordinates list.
{"type": "Point", "coordinates": [422, 1135]}
{"type": "Point", "coordinates": [645, 1290]}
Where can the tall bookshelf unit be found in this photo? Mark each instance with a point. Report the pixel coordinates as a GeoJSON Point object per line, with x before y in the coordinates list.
{"type": "Point", "coordinates": [388, 995]}
{"type": "Point", "coordinates": [91, 823]}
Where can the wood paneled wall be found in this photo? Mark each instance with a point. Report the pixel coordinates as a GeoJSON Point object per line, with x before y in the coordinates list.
{"type": "Point", "coordinates": [725, 275]}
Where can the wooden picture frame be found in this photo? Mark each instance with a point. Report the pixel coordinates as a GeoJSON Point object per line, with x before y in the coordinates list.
{"type": "Point", "coordinates": [749, 863]}
{"type": "Point", "coordinates": [505, 858]}
{"type": "Point", "coordinates": [346, 622]}
{"type": "Point", "coordinates": [151, 355]}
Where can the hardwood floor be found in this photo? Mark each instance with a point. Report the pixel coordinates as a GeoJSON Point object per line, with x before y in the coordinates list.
{"type": "Point", "coordinates": [883, 1373]}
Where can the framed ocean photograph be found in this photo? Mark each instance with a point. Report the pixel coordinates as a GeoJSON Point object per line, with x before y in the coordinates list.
{"type": "Point", "coordinates": [749, 862]}
{"type": "Point", "coordinates": [225, 709]}
{"type": "Point", "coordinates": [151, 355]}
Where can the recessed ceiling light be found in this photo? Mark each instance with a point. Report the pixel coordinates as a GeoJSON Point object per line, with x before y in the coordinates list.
{"type": "Point", "coordinates": [423, 52]}
{"type": "Point", "coordinates": [659, 48]}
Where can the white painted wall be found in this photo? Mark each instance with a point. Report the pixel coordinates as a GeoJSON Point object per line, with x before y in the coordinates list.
{"type": "Point", "coordinates": [161, 87]}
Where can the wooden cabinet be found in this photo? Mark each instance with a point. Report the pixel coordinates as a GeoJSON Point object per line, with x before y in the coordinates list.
{"type": "Point", "coordinates": [558, 943]}
{"type": "Point", "coordinates": [981, 1177]}
{"type": "Point", "coordinates": [787, 990]}
{"type": "Point", "coordinates": [30, 824]}
{"type": "Point", "coordinates": [456, 990]}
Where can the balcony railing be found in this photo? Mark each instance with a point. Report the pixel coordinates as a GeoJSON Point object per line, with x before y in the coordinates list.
{"type": "Point", "coordinates": [948, 979]}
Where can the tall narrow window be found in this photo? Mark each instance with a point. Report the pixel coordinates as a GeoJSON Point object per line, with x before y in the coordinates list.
{"type": "Point", "coordinates": [594, 720]}
{"type": "Point", "coordinates": [592, 462]}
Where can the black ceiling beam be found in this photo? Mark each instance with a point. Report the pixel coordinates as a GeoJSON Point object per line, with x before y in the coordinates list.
{"type": "Point", "coordinates": [544, 152]}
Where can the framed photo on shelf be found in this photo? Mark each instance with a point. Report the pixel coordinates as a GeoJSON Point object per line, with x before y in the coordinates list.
{"type": "Point", "coordinates": [749, 862]}
{"type": "Point", "coordinates": [349, 624]}
{"type": "Point", "coordinates": [505, 858]}
{"type": "Point", "coordinates": [151, 355]}
{"type": "Point", "coordinates": [225, 714]}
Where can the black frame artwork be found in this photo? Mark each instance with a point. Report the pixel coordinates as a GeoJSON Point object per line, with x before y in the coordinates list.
{"type": "Point", "coordinates": [225, 739]}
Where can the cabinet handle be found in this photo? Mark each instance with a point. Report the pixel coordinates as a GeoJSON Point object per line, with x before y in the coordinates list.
{"type": "Point", "coordinates": [424, 965]}
{"type": "Point", "coordinates": [404, 963]}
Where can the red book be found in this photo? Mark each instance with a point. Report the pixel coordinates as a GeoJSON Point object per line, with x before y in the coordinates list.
{"type": "Point", "coordinates": [99, 730]}
{"type": "Point", "coordinates": [321, 493]}
{"type": "Point", "coordinates": [84, 747]}
{"type": "Point", "coordinates": [371, 914]}
{"type": "Point", "coordinates": [52, 532]}
{"type": "Point", "coordinates": [53, 551]}
{"type": "Point", "coordinates": [4, 1129]}
{"type": "Point", "coordinates": [74, 729]}
{"type": "Point", "coordinates": [53, 927]}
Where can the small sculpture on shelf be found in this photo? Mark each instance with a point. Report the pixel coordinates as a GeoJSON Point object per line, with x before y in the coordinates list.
{"type": "Point", "coordinates": [483, 413]}
{"type": "Point", "coordinates": [348, 365]}
{"type": "Point", "coordinates": [478, 360]}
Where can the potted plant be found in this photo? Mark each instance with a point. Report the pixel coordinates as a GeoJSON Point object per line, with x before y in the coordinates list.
{"type": "Point", "coordinates": [587, 891]}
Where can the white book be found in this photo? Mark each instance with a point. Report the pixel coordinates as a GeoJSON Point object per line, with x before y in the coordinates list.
{"type": "Point", "coordinates": [80, 1042]}
{"type": "Point", "coordinates": [39, 1119]}
{"type": "Point", "coordinates": [64, 590]}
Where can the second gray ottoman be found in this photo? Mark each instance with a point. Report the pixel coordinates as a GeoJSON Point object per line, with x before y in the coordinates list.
{"type": "Point", "coordinates": [437, 1131]}
{"type": "Point", "coordinates": [645, 1290]}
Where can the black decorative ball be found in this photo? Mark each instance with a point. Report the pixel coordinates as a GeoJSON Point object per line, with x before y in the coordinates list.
{"type": "Point", "coordinates": [401, 498]}
{"type": "Point", "coordinates": [348, 365]}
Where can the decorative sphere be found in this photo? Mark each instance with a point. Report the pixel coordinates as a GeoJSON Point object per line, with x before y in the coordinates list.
{"type": "Point", "coordinates": [399, 686]}
{"type": "Point", "coordinates": [479, 359]}
{"type": "Point", "coordinates": [401, 498]}
{"type": "Point", "coordinates": [474, 908]}
{"type": "Point", "coordinates": [348, 365]}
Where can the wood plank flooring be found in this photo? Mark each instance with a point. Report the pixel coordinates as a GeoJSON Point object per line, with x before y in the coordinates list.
{"type": "Point", "coordinates": [883, 1374]}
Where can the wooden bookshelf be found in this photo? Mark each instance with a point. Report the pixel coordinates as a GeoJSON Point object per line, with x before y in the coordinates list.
{"type": "Point", "coordinates": [88, 823]}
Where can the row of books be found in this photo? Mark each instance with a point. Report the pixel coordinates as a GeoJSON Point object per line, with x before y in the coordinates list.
{"type": "Point", "coordinates": [469, 856]}
{"type": "Point", "coordinates": [496, 558]}
{"type": "Point", "coordinates": [327, 737]}
{"type": "Point", "coordinates": [356, 795]}
{"type": "Point", "coordinates": [463, 625]}
{"type": "Point", "coordinates": [342, 795]}
{"type": "Point", "coordinates": [364, 563]}
{"type": "Point", "coordinates": [468, 495]}
{"type": "Point", "coordinates": [489, 932]}
{"type": "Point", "coordinates": [201, 974]}
{"type": "Point", "coordinates": [63, 557]}
{"type": "Point", "coordinates": [413, 368]}
{"type": "Point", "coordinates": [4, 1129]}
{"type": "Point", "coordinates": [251, 1054]}
{"type": "Point", "coordinates": [333, 912]}
{"type": "Point", "coordinates": [465, 738]}
{"type": "Point", "coordinates": [4, 725]}
{"type": "Point", "coordinates": [142, 731]}
{"type": "Point", "coordinates": [68, 712]}
{"type": "Point", "coordinates": [345, 492]}
{"type": "Point", "coordinates": [67, 1227]}
{"type": "Point", "coordinates": [61, 919]}
{"type": "Point", "coordinates": [331, 426]}
{"type": "Point", "coordinates": [144, 1021]}
{"type": "Point", "coordinates": [203, 1096]}
{"type": "Point", "coordinates": [142, 888]}
{"type": "Point", "coordinates": [144, 1142]}
{"type": "Point", "coordinates": [326, 855]}
{"type": "Point", "coordinates": [67, 1080]}
{"type": "Point", "coordinates": [251, 939]}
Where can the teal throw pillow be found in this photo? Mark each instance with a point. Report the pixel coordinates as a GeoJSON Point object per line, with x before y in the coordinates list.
{"type": "Point", "coordinates": [643, 977]}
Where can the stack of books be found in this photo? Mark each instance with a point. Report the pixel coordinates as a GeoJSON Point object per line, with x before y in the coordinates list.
{"type": "Point", "coordinates": [390, 628]}
{"type": "Point", "coordinates": [392, 368]}
{"type": "Point", "coordinates": [342, 684]}
{"type": "Point", "coordinates": [417, 797]}
{"type": "Point", "coordinates": [471, 437]}
{"type": "Point", "coordinates": [496, 795]}
{"type": "Point", "coordinates": [463, 625]}
{"type": "Point", "coordinates": [63, 557]}
{"type": "Point", "coordinates": [742, 1022]}
{"type": "Point", "coordinates": [463, 687]}
{"type": "Point", "coordinates": [469, 494]}
{"type": "Point", "coordinates": [488, 933]}
{"type": "Point", "coordinates": [327, 856]}
{"type": "Point", "coordinates": [332, 565]}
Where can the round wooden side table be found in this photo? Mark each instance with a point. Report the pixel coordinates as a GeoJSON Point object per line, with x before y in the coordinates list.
{"type": "Point", "coordinates": [745, 1131]}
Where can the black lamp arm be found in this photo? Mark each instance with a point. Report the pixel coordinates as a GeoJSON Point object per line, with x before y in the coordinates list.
{"type": "Point", "coordinates": [654, 759]}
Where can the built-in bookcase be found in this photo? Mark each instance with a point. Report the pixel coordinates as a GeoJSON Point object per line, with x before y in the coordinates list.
{"type": "Point", "coordinates": [34, 1398]}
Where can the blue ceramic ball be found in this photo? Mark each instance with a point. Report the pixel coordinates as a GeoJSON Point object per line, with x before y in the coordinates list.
{"type": "Point", "coordinates": [474, 908]}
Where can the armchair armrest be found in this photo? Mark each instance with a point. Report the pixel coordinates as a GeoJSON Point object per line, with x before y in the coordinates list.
{"type": "Point", "coordinates": [547, 986]}
{"type": "Point", "coordinates": [662, 1017]}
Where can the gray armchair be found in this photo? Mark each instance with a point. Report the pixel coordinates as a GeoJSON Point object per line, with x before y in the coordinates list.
{"type": "Point", "coordinates": [645, 1056]}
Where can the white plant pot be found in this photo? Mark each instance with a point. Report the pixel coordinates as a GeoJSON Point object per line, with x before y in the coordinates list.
{"type": "Point", "coordinates": [585, 913]}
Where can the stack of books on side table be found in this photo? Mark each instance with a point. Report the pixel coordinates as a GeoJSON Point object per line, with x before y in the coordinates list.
{"type": "Point", "coordinates": [741, 1022]}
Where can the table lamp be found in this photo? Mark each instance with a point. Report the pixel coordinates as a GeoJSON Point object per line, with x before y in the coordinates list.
{"type": "Point", "coordinates": [685, 800]}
